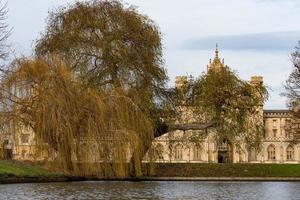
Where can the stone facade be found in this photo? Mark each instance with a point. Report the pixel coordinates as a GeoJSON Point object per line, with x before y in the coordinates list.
{"type": "Point", "coordinates": [18, 146]}
{"type": "Point", "coordinates": [276, 147]}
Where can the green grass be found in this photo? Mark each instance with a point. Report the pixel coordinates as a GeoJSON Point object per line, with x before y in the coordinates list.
{"type": "Point", "coordinates": [18, 169]}
{"type": "Point", "coordinates": [226, 170]}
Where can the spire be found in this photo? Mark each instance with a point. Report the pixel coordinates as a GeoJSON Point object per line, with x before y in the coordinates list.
{"type": "Point", "coordinates": [217, 51]}
{"type": "Point", "coordinates": [217, 63]}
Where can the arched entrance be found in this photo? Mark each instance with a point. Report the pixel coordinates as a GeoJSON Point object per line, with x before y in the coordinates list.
{"type": "Point", "coordinates": [225, 152]}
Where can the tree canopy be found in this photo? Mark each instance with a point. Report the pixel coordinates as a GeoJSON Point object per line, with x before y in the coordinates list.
{"type": "Point", "coordinates": [109, 45]}
{"type": "Point", "coordinates": [112, 47]}
{"type": "Point", "coordinates": [234, 105]}
{"type": "Point", "coordinates": [73, 124]}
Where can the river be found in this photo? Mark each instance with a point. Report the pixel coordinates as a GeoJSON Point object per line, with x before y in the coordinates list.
{"type": "Point", "coordinates": [153, 190]}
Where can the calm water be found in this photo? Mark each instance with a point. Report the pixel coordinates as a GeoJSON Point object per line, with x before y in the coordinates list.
{"type": "Point", "coordinates": [153, 190]}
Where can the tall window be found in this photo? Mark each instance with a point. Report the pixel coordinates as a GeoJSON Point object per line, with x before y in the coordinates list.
{"type": "Point", "coordinates": [271, 152]}
{"type": "Point", "coordinates": [290, 153]}
{"type": "Point", "coordinates": [274, 124]}
{"type": "Point", "coordinates": [197, 153]}
{"type": "Point", "coordinates": [252, 154]}
{"type": "Point", "coordinates": [178, 152]}
{"type": "Point", "coordinates": [288, 128]}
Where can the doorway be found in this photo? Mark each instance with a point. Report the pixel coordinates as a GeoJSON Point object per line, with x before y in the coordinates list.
{"type": "Point", "coordinates": [225, 153]}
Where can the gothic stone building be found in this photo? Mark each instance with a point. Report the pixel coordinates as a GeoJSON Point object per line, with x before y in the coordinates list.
{"type": "Point", "coordinates": [276, 146]}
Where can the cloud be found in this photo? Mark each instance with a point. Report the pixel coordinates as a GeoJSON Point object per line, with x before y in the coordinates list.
{"type": "Point", "coordinates": [270, 41]}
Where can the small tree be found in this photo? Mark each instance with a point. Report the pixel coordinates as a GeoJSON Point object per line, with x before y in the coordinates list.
{"type": "Point", "coordinates": [292, 86]}
{"type": "Point", "coordinates": [233, 105]}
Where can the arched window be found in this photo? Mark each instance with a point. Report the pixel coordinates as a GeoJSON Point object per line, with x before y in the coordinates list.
{"type": "Point", "coordinates": [271, 152]}
{"type": "Point", "coordinates": [197, 153]}
{"type": "Point", "coordinates": [178, 152]}
{"type": "Point", "coordinates": [290, 153]}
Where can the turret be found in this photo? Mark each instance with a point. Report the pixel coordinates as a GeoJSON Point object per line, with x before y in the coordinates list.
{"type": "Point", "coordinates": [258, 81]}
{"type": "Point", "coordinates": [180, 81]}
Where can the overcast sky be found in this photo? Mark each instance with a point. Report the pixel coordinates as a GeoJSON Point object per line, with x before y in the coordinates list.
{"type": "Point", "coordinates": [255, 37]}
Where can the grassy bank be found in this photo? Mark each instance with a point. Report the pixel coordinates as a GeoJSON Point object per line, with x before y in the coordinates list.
{"type": "Point", "coordinates": [20, 169]}
{"type": "Point", "coordinates": [15, 172]}
{"type": "Point", "coordinates": [227, 170]}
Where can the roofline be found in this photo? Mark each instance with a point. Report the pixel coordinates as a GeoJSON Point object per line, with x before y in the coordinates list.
{"type": "Point", "coordinates": [277, 111]}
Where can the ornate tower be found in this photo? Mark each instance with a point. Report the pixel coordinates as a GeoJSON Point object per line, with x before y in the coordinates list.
{"type": "Point", "coordinates": [216, 64]}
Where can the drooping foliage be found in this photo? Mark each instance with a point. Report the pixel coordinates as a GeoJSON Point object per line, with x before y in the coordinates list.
{"type": "Point", "coordinates": [111, 48]}
{"type": "Point", "coordinates": [80, 130]}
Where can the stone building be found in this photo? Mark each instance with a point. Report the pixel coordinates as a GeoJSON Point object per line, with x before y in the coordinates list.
{"type": "Point", "coordinates": [174, 147]}
{"type": "Point", "coordinates": [276, 146]}
{"type": "Point", "coordinates": [17, 144]}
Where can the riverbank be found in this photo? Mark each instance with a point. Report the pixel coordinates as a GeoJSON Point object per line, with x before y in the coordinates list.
{"type": "Point", "coordinates": [224, 179]}
{"type": "Point", "coordinates": [19, 172]}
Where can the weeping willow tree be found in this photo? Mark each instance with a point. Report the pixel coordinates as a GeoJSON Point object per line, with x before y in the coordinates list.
{"type": "Point", "coordinates": [111, 47]}
{"type": "Point", "coordinates": [82, 131]}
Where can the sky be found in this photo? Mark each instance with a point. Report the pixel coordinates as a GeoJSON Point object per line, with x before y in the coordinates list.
{"type": "Point", "coordinates": [255, 37]}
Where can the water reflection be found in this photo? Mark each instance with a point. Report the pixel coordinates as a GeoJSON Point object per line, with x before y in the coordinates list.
{"type": "Point", "coordinates": [153, 190]}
